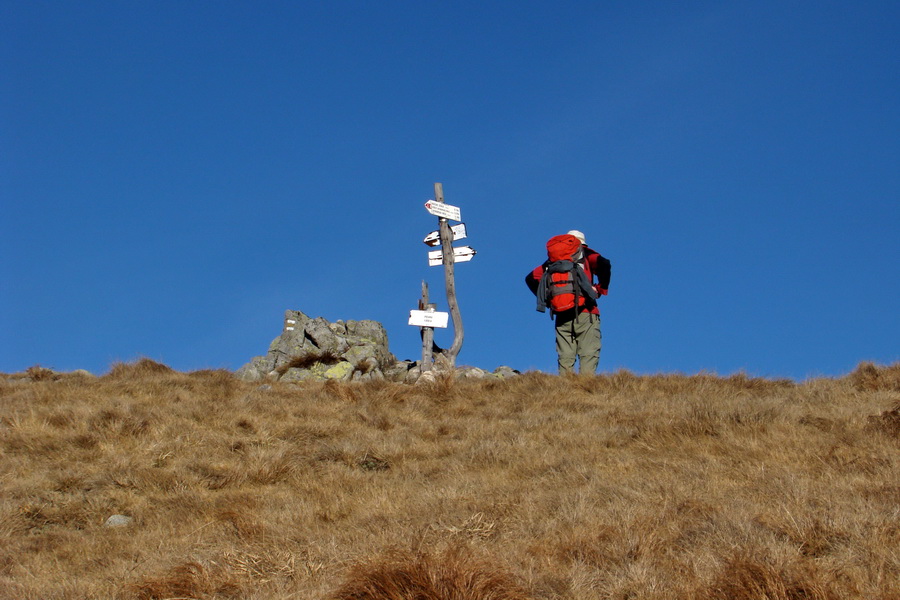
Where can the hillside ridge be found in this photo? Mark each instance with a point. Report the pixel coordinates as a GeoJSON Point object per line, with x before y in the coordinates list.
{"type": "Point", "coordinates": [531, 487]}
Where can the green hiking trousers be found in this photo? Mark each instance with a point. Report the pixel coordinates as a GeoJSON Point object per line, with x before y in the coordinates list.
{"type": "Point", "coordinates": [578, 338]}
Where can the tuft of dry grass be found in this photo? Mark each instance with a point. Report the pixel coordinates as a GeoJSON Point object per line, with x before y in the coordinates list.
{"type": "Point", "coordinates": [453, 574]}
{"type": "Point", "coordinates": [39, 373]}
{"type": "Point", "coordinates": [139, 369]}
{"type": "Point", "coordinates": [536, 487]}
{"type": "Point", "coordinates": [869, 377]}
{"type": "Point", "coordinates": [887, 422]}
{"type": "Point", "coordinates": [306, 361]}
{"type": "Point", "coordinates": [748, 578]}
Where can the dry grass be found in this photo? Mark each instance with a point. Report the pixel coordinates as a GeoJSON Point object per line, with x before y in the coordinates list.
{"type": "Point", "coordinates": [308, 360]}
{"type": "Point", "coordinates": [535, 487]}
{"type": "Point", "coordinates": [454, 574]}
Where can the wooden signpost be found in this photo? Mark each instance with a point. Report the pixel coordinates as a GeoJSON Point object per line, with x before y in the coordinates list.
{"type": "Point", "coordinates": [427, 317]}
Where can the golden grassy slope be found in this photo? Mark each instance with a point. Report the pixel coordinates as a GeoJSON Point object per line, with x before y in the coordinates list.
{"type": "Point", "coordinates": [625, 487]}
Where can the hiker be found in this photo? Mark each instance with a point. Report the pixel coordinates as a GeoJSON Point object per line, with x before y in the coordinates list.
{"type": "Point", "coordinates": [565, 284]}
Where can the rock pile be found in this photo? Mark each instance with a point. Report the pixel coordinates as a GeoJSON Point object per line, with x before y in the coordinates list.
{"type": "Point", "coordinates": [314, 349]}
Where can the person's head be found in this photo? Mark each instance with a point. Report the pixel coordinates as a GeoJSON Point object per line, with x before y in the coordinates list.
{"type": "Point", "coordinates": [579, 235]}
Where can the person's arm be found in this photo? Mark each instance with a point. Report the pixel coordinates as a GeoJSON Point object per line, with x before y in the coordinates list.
{"type": "Point", "coordinates": [601, 268]}
{"type": "Point", "coordinates": [533, 279]}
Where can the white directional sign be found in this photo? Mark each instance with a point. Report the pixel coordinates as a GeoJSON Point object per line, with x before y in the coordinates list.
{"type": "Point", "coordinates": [434, 238]}
{"type": "Point", "coordinates": [428, 318]}
{"type": "Point", "coordinates": [460, 254]}
{"type": "Point", "coordinates": [439, 209]}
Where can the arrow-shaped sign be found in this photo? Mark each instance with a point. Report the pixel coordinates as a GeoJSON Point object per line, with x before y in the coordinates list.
{"type": "Point", "coordinates": [439, 209]}
{"type": "Point", "coordinates": [461, 254]}
{"type": "Point", "coordinates": [434, 238]}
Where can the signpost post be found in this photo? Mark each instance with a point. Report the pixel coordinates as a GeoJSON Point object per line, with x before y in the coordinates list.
{"type": "Point", "coordinates": [427, 332]}
{"type": "Point", "coordinates": [427, 317]}
{"type": "Point", "coordinates": [449, 281]}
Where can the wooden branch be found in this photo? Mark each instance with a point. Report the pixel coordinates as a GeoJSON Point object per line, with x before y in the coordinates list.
{"type": "Point", "coordinates": [427, 333]}
{"type": "Point", "coordinates": [449, 280]}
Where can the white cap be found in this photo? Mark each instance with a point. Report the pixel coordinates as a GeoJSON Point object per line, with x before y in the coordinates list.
{"type": "Point", "coordinates": [577, 234]}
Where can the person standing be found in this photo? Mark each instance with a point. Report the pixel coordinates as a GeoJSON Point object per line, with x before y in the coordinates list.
{"type": "Point", "coordinates": [577, 327]}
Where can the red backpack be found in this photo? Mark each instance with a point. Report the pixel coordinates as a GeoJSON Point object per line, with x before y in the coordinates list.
{"type": "Point", "coordinates": [564, 284]}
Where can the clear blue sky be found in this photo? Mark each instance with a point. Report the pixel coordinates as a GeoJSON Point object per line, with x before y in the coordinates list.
{"type": "Point", "coordinates": [176, 174]}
